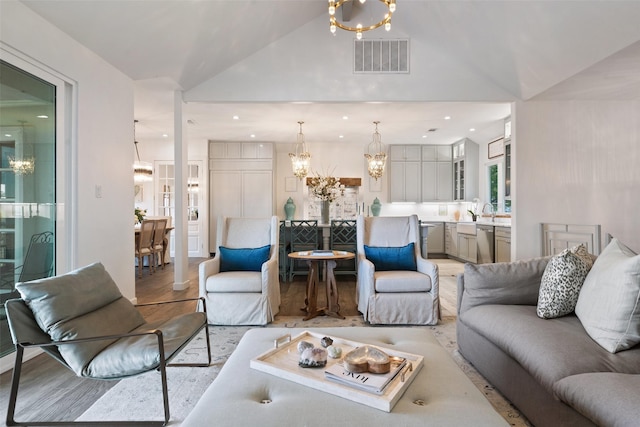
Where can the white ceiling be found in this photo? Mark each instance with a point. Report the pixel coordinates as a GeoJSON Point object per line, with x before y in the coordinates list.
{"type": "Point", "coordinates": [524, 48]}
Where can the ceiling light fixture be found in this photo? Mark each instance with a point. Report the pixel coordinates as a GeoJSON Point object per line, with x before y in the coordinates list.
{"type": "Point", "coordinates": [376, 155]}
{"type": "Point", "coordinates": [359, 28]}
{"type": "Point", "coordinates": [22, 166]}
{"type": "Point", "coordinates": [142, 171]}
{"type": "Point", "coordinates": [300, 159]}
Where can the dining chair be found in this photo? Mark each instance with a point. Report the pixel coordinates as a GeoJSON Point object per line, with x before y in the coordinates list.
{"type": "Point", "coordinates": [143, 245]}
{"type": "Point", "coordinates": [304, 237]}
{"type": "Point", "coordinates": [342, 237]}
{"type": "Point", "coordinates": [157, 244]}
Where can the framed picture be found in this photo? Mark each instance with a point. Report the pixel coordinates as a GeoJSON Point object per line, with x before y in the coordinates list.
{"type": "Point", "coordinates": [496, 148]}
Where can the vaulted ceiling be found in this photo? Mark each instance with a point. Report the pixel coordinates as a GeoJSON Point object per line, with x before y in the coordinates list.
{"type": "Point", "coordinates": [273, 63]}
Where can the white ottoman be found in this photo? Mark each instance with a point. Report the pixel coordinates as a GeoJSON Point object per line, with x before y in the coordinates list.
{"type": "Point", "coordinates": [440, 395]}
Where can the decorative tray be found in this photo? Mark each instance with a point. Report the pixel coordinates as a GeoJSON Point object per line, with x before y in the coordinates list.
{"type": "Point", "coordinates": [282, 361]}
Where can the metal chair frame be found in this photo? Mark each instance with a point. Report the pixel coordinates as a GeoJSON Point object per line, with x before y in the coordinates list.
{"type": "Point", "coordinates": [50, 348]}
{"type": "Point", "coordinates": [304, 237]}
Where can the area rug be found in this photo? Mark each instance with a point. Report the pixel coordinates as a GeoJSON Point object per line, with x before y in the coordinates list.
{"type": "Point", "coordinates": [140, 397]}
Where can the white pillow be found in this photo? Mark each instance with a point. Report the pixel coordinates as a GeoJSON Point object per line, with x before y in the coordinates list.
{"type": "Point", "coordinates": [561, 282]}
{"type": "Point", "coordinates": [609, 302]}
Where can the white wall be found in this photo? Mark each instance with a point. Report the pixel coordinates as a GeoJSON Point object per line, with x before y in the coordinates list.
{"type": "Point", "coordinates": [577, 162]}
{"type": "Point", "coordinates": [103, 132]}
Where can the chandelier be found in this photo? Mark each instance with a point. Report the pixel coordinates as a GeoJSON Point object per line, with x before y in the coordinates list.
{"type": "Point", "coordinates": [376, 155]}
{"type": "Point", "coordinates": [359, 28]}
{"type": "Point", "coordinates": [301, 159]}
{"type": "Point", "coordinates": [142, 171]}
{"type": "Point", "coordinates": [22, 166]}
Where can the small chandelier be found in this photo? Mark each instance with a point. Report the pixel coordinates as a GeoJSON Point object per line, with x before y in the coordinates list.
{"type": "Point", "coordinates": [376, 155]}
{"type": "Point", "coordinates": [22, 166]}
{"type": "Point", "coordinates": [359, 29]}
{"type": "Point", "coordinates": [142, 171]}
{"type": "Point", "coordinates": [301, 159]}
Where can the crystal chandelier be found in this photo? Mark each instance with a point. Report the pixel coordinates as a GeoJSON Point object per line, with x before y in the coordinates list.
{"type": "Point", "coordinates": [22, 166]}
{"type": "Point", "coordinates": [301, 159]}
{"type": "Point", "coordinates": [359, 28]}
{"type": "Point", "coordinates": [376, 155]}
{"type": "Point", "coordinates": [142, 171]}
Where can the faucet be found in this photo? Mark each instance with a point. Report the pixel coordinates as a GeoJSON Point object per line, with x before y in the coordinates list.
{"type": "Point", "coordinates": [492, 212]}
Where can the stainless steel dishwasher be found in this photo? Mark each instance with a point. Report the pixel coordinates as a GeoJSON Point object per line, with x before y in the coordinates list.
{"type": "Point", "coordinates": [484, 236]}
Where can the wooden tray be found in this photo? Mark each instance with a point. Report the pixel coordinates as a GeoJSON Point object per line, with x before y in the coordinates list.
{"type": "Point", "coordinates": [282, 361]}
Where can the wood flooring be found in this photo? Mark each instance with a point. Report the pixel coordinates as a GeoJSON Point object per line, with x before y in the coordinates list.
{"type": "Point", "coordinates": [50, 391]}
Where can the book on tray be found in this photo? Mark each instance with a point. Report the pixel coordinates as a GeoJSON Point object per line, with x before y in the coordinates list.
{"type": "Point", "coordinates": [372, 383]}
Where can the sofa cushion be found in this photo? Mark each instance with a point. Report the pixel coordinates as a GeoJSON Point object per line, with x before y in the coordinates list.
{"type": "Point", "coordinates": [607, 399]}
{"type": "Point", "coordinates": [401, 281]}
{"type": "Point", "coordinates": [515, 282]}
{"type": "Point", "coordinates": [561, 282]}
{"type": "Point", "coordinates": [392, 258]}
{"type": "Point", "coordinates": [235, 281]}
{"type": "Point", "coordinates": [609, 302]}
{"type": "Point", "coordinates": [243, 259]}
{"type": "Point", "coordinates": [549, 349]}
{"type": "Point", "coordinates": [82, 303]}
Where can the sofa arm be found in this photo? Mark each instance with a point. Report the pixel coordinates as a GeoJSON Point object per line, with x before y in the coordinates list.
{"type": "Point", "coordinates": [430, 269]}
{"type": "Point", "coordinates": [501, 283]}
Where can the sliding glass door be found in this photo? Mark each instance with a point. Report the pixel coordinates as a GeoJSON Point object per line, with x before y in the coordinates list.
{"type": "Point", "coordinates": [27, 183]}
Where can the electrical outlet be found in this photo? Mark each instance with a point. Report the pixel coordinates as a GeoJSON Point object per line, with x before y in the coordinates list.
{"type": "Point", "coordinates": [98, 191]}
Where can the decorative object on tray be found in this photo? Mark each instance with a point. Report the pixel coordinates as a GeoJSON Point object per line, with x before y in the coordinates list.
{"type": "Point", "coordinates": [315, 357]}
{"type": "Point", "coordinates": [367, 359]}
{"type": "Point", "coordinates": [303, 345]}
{"type": "Point", "coordinates": [326, 342]}
{"type": "Point", "coordinates": [334, 352]}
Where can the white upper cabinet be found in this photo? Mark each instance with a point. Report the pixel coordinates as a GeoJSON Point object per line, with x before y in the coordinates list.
{"type": "Point", "coordinates": [405, 173]}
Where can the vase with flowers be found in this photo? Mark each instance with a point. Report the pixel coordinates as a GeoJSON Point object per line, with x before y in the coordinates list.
{"type": "Point", "coordinates": [139, 215]}
{"type": "Point", "coordinates": [326, 189]}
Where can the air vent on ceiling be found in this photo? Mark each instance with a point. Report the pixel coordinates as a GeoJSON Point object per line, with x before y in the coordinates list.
{"type": "Point", "coordinates": [381, 56]}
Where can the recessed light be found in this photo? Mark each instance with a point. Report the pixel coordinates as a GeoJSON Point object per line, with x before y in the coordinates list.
{"type": "Point", "coordinates": [8, 135]}
{"type": "Point", "coordinates": [341, 136]}
{"type": "Point", "coordinates": [472, 129]}
{"type": "Point", "coordinates": [345, 117]}
{"type": "Point", "coordinates": [424, 136]}
{"type": "Point", "coordinates": [165, 135]}
{"type": "Point", "coordinates": [253, 135]}
{"type": "Point", "coordinates": [236, 117]}
{"type": "Point", "coordinates": [42, 116]}
{"type": "Point", "coordinates": [447, 117]}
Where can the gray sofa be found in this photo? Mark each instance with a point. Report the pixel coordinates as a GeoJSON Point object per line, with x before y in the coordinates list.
{"type": "Point", "coordinates": [550, 369]}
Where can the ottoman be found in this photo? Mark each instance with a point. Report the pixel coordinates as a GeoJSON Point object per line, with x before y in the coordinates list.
{"type": "Point", "coordinates": [440, 395]}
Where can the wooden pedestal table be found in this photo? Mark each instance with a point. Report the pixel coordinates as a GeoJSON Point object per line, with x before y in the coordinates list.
{"type": "Point", "coordinates": [328, 259]}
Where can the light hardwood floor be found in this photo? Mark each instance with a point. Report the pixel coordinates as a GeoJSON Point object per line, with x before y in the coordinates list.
{"type": "Point", "coordinates": [50, 391]}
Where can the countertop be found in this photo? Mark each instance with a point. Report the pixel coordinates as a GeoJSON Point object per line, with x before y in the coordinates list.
{"type": "Point", "coordinates": [498, 222]}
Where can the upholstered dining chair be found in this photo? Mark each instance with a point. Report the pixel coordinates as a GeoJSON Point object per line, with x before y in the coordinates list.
{"type": "Point", "coordinates": [240, 283]}
{"type": "Point", "coordinates": [395, 285]}
{"type": "Point", "coordinates": [144, 241]}
{"type": "Point", "coordinates": [82, 320]}
{"type": "Point", "coordinates": [157, 244]}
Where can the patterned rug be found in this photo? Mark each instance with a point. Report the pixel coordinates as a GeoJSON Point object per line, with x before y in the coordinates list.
{"type": "Point", "coordinates": [140, 397]}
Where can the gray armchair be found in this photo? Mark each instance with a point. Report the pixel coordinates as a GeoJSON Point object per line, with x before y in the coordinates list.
{"type": "Point", "coordinates": [395, 284]}
{"type": "Point", "coordinates": [241, 283]}
{"type": "Point", "coordinates": [82, 320]}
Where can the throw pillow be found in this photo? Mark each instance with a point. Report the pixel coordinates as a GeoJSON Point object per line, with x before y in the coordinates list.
{"type": "Point", "coordinates": [243, 259]}
{"type": "Point", "coordinates": [561, 282]}
{"type": "Point", "coordinates": [609, 302]}
{"type": "Point", "coordinates": [387, 258]}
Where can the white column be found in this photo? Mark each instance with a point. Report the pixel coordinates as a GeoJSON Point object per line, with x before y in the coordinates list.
{"type": "Point", "coordinates": [180, 146]}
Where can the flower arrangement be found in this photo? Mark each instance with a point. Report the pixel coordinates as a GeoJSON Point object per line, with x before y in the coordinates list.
{"type": "Point", "coordinates": [139, 215]}
{"type": "Point", "coordinates": [325, 188]}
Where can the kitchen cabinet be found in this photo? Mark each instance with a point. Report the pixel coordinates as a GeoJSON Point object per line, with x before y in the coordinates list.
{"type": "Point", "coordinates": [502, 244]}
{"type": "Point", "coordinates": [451, 239]}
{"type": "Point", "coordinates": [437, 173]}
{"type": "Point", "coordinates": [435, 239]}
{"type": "Point", "coordinates": [405, 173]}
{"type": "Point", "coordinates": [467, 247]}
{"type": "Point", "coordinates": [465, 169]}
{"type": "Point", "coordinates": [240, 182]}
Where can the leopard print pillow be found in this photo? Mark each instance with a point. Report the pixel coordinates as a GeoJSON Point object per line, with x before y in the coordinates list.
{"type": "Point", "coordinates": [561, 282]}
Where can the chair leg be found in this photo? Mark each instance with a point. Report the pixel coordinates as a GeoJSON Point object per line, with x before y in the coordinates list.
{"type": "Point", "coordinates": [15, 382]}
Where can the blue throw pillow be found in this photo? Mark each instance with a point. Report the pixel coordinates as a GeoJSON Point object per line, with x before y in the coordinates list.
{"type": "Point", "coordinates": [392, 258]}
{"type": "Point", "coordinates": [243, 259]}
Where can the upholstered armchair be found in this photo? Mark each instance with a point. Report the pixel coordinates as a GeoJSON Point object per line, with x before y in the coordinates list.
{"type": "Point", "coordinates": [395, 284]}
{"type": "Point", "coordinates": [240, 283]}
{"type": "Point", "coordinates": [82, 320]}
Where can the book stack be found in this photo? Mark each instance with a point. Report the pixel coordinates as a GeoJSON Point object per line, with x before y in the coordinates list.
{"type": "Point", "coordinates": [366, 381]}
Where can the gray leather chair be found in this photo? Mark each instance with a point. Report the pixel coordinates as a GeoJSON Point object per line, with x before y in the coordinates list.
{"type": "Point", "coordinates": [82, 320]}
{"type": "Point", "coordinates": [399, 287]}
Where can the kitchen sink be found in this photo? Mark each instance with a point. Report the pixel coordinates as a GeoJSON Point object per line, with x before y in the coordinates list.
{"type": "Point", "coordinates": [466, 228]}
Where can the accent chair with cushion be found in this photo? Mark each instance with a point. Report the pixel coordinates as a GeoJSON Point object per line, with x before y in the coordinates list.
{"type": "Point", "coordinates": [82, 320]}
{"type": "Point", "coordinates": [395, 284]}
{"type": "Point", "coordinates": [240, 283]}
